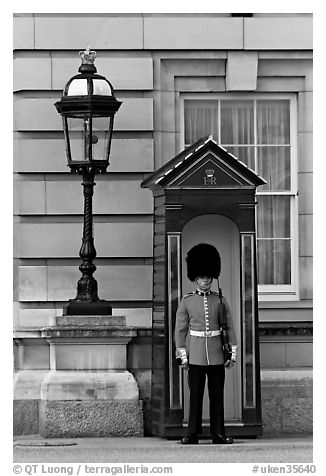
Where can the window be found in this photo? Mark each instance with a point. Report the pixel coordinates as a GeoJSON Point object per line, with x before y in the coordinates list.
{"type": "Point", "coordinates": [259, 131]}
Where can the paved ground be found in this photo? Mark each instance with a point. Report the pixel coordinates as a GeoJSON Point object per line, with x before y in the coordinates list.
{"type": "Point", "coordinates": [282, 449]}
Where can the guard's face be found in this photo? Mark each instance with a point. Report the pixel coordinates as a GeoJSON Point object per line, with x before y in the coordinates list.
{"type": "Point", "coordinates": [204, 282]}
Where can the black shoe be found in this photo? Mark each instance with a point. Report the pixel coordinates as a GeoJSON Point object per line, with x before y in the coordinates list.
{"type": "Point", "coordinates": [222, 440]}
{"type": "Point", "coordinates": [190, 440]}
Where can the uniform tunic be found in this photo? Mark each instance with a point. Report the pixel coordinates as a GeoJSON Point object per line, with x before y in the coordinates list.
{"type": "Point", "coordinates": [198, 311]}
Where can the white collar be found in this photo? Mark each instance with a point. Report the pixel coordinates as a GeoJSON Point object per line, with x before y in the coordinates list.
{"type": "Point", "coordinates": [203, 293]}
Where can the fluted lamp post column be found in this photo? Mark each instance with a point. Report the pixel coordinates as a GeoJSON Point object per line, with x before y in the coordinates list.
{"type": "Point", "coordinates": [87, 107]}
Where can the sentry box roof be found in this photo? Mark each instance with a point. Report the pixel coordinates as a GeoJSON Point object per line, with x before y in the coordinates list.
{"type": "Point", "coordinates": [204, 164]}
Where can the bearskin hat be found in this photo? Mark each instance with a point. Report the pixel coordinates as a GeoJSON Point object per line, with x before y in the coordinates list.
{"type": "Point", "coordinates": [203, 260]}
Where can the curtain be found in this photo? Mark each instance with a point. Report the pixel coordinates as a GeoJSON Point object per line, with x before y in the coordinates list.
{"type": "Point", "coordinates": [273, 130]}
{"type": "Point", "coordinates": [273, 122]}
{"type": "Point", "coordinates": [274, 165]}
{"type": "Point", "coordinates": [237, 130]}
{"type": "Point", "coordinates": [273, 212]}
{"type": "Point", "coordinates": [201, 119]}
{"type": "Point", "coordinates": [237, 122]}
{"type": "Point", "coordinates": [274, 239]}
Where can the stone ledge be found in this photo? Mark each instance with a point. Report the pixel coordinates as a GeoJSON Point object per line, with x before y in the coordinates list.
{"type": "Point", "coordinates": [76, 332]}
{"type": "Point", "coordinates": [111, 385]}
{"type": "Point", "coordinates": [27, 384]}
{"type": "Point", "coordinates": [85, 331]}
{"type": "Point", "coordinates": [90, 320]}
{"type": "Point", "coordinates": [286, 329]}
{"type": "Point", "coordinates": [286, 374]}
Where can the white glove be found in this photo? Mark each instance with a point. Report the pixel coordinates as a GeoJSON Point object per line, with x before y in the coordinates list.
{"type": "Point", "coordinates": [229, 363]}
{"type": "Point", "coordinates": [182, 354]}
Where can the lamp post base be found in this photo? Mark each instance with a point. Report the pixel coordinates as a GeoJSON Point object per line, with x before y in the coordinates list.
{"type": "Point", "coordinates": [87, 308]}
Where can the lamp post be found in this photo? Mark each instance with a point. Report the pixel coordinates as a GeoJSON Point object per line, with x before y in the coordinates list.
{"type": "Point", "coordinates": [87, 107]}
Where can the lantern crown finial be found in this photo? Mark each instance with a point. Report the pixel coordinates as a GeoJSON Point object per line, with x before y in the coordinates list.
{"type": "Point", "coordinates": [87, 57]}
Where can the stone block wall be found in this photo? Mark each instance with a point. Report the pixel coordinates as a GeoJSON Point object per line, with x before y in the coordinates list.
{"type": "Point", "coordinates": [151, 73]}
{"type": "Point", "coordinates": [287, 401]}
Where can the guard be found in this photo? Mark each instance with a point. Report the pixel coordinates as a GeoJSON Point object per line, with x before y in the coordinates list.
{"type": "Point", "coordinates": [200, 343]}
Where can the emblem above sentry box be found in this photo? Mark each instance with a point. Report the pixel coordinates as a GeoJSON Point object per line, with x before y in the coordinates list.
{"type": "Point", "coordinates": [213, 170]}
{"type": "Point", "coordinates": [209, 179]}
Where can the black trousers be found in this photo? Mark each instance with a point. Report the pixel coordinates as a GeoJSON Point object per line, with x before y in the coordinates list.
{"type": "Point", "coordinates": [215, 380]}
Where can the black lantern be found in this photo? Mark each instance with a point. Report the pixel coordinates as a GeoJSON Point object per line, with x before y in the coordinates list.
{"type": "Point", "coordinates": [87, 107]}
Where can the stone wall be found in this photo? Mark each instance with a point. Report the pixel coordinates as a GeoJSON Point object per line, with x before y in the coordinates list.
{"type": "Point", "coordinates": [287, 401]}
{"type": "Point", "coordinates": [151, 72]}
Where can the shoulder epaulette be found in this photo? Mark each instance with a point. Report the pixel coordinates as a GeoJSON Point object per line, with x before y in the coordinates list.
{"type": "Point", "coordinates": [214, 292]}
{"type": "Point", "coordinates": [189, 294]}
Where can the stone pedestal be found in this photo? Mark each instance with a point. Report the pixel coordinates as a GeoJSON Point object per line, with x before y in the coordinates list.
{"type": "Point", "coordinates": [92, 404]}
{"type": "Point", "coordinates": [87, 390]}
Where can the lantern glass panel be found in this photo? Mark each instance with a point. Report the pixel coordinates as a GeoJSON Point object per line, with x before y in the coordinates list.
{"type": "Point", "coordinates": [101, 137]}
{"type": "Point", "coordinates": [79, 132]}
{"type": "Point", "coordinates": [101, 87]}
{"type": "Point", "coordinates": [89, 138]}
{"type": "Point", "coordinates": [78, 87]}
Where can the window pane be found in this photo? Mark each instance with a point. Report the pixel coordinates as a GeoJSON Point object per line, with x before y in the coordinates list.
{"type": "Point", "coordinates": [201, 119]}
{"type": "Point", "coordinates": [237, 122]}
{"type": "Point", "coordinates": [273, 122]}
{"type": "Point", "coordinates": [274, 167]}
{"type": "Point", "coordinates": [274, 261]}
{"type": "Point", "coordinates": [263, 146]}
{"type": "Point", "coordinates": [273, 217]}
{"type": "Point", "coordinates": [245, 154]}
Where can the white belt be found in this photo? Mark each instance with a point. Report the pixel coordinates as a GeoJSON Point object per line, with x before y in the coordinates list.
{"type": "Point", "coordinates": [205, 333]}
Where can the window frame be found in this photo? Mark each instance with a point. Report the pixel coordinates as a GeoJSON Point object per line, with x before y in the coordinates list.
{"type": "Point", "coordinates": [270, 292]}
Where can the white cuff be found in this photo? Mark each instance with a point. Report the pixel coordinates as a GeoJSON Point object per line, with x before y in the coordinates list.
{"type": "Point", "coordinates": [182, 353]}
{"type": "Point", "coordinates": [234, 353]}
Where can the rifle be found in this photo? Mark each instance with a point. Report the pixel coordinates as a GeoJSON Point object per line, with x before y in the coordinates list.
{"type": "Point", "coordinates": [222, 320]}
